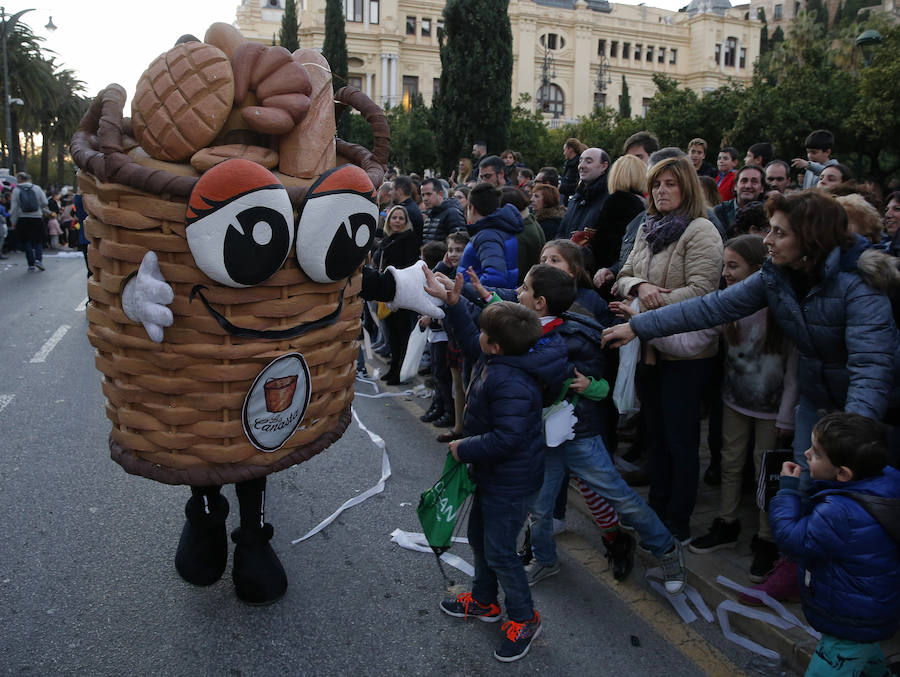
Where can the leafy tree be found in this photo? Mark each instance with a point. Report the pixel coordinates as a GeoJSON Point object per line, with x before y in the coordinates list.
{"type": "Point", "coordinates": [624, 100]}
{"type": "Point", "coordinates": [473, 102]}
{"type": "Point", "coordinates": [674, 113]}
{"type": "Point", "coordinates": [334, 49]}
{"type": "Point", "coordinates": [528, 133]}
{"type": "Point", "coordinates": [763, 32]}
{"type": "Point", "coordinates": [876, 112]}
{"type": "Point", "coordinates": [412, 136]}
{"type": "Point", "coordinates": [289, 36]}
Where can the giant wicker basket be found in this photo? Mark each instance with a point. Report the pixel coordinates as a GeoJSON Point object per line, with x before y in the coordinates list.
{"type": "Point", "coordinates": [176, 406]}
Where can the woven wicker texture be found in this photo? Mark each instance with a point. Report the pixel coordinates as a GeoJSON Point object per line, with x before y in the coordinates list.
{"type": "Point", "coordinates": [176, 406]}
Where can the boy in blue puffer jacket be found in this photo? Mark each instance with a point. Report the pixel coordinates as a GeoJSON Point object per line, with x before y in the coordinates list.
{"type": "Point", "coordinates": [493, 250]}
{"type": "Point", "coordinates": [504, 444]}
{"type": "Point", "coordinates": [845, 538]}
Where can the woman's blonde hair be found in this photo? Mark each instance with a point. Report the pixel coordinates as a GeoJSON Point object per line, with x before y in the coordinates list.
{"type": "Point", "coordinates": [862, 217]}
{"type": "Point", "coordinates": [693, 202]}
{"type": "Point", "coordinates": [629, 174]}
{"type": "Point", "coordinates": [467, 163]}
{"type": "Point", "coordinates": [387, 219]}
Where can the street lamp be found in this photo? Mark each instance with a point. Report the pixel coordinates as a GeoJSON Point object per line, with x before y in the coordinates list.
{"type": "Point", "coordinates": [869, 41]}
{"type": "Point", "coordinates": [548, 74]}
{"type": "Point", "coordinates": [604, 79]}
{"type": "Point", "coordinates": [6, 25]}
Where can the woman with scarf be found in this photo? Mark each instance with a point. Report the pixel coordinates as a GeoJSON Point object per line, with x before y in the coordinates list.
{"type": "Point", "coordinates": [677, 256]}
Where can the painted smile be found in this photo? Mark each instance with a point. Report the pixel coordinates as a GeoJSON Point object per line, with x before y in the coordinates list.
{"type": "Point", "coordinates": [274, 334]}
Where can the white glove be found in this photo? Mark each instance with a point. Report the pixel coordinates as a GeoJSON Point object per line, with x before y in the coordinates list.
{"type": "Point", "coordinates": [411, 293]}
{"type": "Point", "coordinates": [146, 296]}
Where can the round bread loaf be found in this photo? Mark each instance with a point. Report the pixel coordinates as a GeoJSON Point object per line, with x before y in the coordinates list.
{"type": "Point", "coordinates": [182, 101]}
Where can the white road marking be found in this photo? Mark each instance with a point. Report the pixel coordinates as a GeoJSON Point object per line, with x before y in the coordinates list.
{"type": "Point", "coordinates": [5, 400]}
{"type": "Point", "coordinates": [81, 306]}
{"type": "Point", "coordinates": [41, 355]}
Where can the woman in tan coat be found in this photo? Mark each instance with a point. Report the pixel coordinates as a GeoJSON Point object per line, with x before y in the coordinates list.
{"type": "Point", "coordinates": [677, 255]}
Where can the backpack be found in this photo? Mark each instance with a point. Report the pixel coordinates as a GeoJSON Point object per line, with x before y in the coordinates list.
{"type": "Point", "coordinates": [28, 201]}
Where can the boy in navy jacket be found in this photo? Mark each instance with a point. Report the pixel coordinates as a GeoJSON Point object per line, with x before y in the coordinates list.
{"type": "Point", "coordinates": [504, 444]}
{"type": "Point", "coordinates": [844, 535]}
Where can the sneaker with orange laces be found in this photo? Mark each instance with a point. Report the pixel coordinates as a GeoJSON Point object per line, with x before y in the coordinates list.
{"type": "Point", "coordinates": [465, 606]}
{"type": "Point", "coordinates": [517, 638]}
{"type": "Point", "coordinates": [781, 585]}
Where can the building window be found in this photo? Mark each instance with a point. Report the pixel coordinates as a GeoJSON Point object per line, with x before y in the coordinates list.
{"type": "Point", "coordinates": [599, 99]}
{"type": "Point", "coordinates": [440, 25]}
{"type": "Point", "coordinates": [661, 55]}
{"type": "Point", "coordinates": [435, 87]}
{"type": "Point", "coordinates": [730, 51]}
{"type": "Point", "coordinates": [552, 41]}
{"type": "Point", "coordinates": [601, 48]}
{"type": "Point", "coordinates": [614, 49]}
{"type": "Point", "coordinates": [626, 50]}
{"type": "Point", "coordinates": [551, 100]}
{"type": "Point", "coordinates": [353, 10]}
{"type": "Point", "coordinates": [410, 25]}
{"type": "Point", "coordinates": [374, 11]}
{"type": "Point", "coordinates": [410, 90]}
{"type": "Point", "coordinates": [426, 28]}
{"type": "Point", "coordinates": [673, 55]}
{"type": "Point", "coordinates": [779, 12]}
{"type": "Point", "coordinates": [797, 8]}
{"type": "Point", "coordinates": [637, 52]}
{"type": "Point", "coordinates": [718, 53]}
{"type": "Point", "coordinates": [355, 81]}
{"type": "Point", "coordinates": [743, 62]}
{"type": "Point", "coordinates": [649, 53]}
{"type": "Point", "coordinates": [273, 3]}
{"type": "Point", "coordinates": [645, 103]}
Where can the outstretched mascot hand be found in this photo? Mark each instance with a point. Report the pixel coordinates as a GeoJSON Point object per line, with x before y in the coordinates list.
{"type": "Point", "coordinates": [411, 293]}
{"type": "Point", "coordinates": [146, 296]}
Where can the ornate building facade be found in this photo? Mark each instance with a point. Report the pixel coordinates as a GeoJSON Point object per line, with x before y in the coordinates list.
{"type": "Point", "coordinates": [568, 55]}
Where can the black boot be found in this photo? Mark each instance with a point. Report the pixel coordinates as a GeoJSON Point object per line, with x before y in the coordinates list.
{"type": "Point", "coordinates": [203, 548]}
{"type": "Point", "coordinates": [433, 413]}
{"type": "Point", "coordinates": [258, 575]}
{"type": "Point", "coordinates": [620, 554]}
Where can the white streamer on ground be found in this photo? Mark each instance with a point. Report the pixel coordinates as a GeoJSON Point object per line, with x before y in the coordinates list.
{"type": "Point", "coordinates": [417, 542]}
{"type": "Point", "coordinates": [377, 489]}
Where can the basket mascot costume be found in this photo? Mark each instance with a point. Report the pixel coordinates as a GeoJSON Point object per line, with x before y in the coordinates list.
{"type": "Point", "coordinates": [228, 228]}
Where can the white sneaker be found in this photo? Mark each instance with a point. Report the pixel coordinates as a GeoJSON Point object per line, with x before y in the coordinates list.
{"type": "Point", "coordinates": [537, 572]}
{"type": "Point", "coordinates": [674, 575]}
{"type": "Point", "coordinates": [40, 265]}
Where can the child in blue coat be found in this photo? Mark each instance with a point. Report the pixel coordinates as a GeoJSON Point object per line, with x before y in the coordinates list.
{"type": "Point", "coordinates": [503, 442]}
{"type": "Point", "coordinates": [844, 535]}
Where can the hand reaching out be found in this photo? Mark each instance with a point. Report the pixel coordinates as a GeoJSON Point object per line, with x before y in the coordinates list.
{"type": "Point", "coordinates": [476, 282]}
{"type": "Point", "coordinates": [622, 309]}
{"type": "Point", "coordinates": [441, 287]}
{"type": "Point", "coordinates": [790, 469]}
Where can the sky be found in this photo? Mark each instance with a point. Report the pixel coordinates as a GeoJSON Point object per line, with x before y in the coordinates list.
{"type": "Point", "coordinates": [106, 41]}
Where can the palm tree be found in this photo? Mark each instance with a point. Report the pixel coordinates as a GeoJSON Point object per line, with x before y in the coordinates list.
{"type": "Point", "coordinates": [29, 78]}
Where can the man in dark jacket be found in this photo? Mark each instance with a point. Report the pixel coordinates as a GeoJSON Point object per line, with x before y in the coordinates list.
{"type": "Point", "coordinates": [591, 194]}
{"type": "Point", "coordinates": [750, 186]}
{"type": "Point", "coordinates": [443, 214]}
{"type": "Point", "coordinates": [402, 195]}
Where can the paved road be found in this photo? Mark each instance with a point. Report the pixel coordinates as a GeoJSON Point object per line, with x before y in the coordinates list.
{"type": "Point", "coordinates": [87, 584]}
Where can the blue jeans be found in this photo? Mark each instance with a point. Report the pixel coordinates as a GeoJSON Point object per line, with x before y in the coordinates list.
{"type": "Point", "coordinates": [494, 526]}
{"type": "Point", "coordinates": [588, 460]}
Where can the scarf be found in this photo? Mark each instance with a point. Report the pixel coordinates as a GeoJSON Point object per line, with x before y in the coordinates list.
{"type": "Point", "coordinates": [662, 230]}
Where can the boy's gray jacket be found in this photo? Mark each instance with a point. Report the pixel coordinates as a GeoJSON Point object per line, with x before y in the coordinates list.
{"type": "Point", "coordinates": [843, 329]}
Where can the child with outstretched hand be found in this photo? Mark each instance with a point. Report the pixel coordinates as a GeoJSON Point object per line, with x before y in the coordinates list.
{"type": "Point", "coordinates": [503, 442]}
{"type": "Point", "coordinates": [844, 535]}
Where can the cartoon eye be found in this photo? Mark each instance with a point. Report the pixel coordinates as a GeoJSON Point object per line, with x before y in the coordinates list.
{"type": "Point", "coordinates": [239, 223]}
{"type": "Point", "coordinates": [337, 224]}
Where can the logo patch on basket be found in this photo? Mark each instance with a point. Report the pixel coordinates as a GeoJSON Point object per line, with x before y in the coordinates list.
{"type": "Point", "coordinates": [276, 402]}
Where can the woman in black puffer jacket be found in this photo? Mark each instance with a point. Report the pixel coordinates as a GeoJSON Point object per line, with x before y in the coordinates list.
{"type": "Point", "coordinates": [399, 249]}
